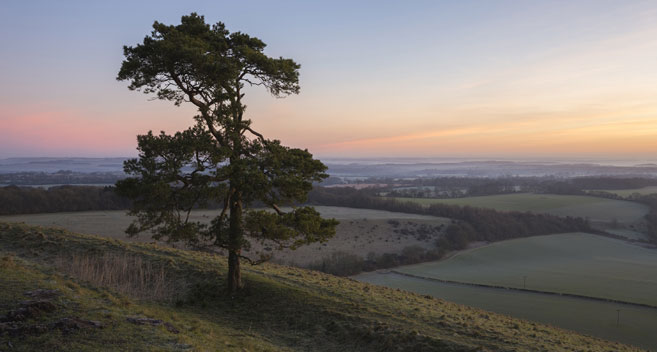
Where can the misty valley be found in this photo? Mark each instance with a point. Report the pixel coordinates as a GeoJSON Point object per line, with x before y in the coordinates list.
{"type": "Point", "coordinates": [575, 252]}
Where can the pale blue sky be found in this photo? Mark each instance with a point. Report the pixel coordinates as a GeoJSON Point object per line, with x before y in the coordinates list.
{"type": "Point", "coordinates": [378, 78]}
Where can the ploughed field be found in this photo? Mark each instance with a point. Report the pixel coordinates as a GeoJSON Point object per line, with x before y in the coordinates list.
{"type": "Point", "coordinates": [594, 208]}
{"type": "Point", "coordinates": [576, 263]}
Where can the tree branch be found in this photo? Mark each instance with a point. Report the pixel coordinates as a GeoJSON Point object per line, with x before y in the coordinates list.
{"type": "Point", "coordinates": [226, 203]}
{"type": "Point", "coordinates": [203, 107]}
{"type": "Point", "coordinates": [263, 258]}
{"type": "Point", "coordinates": [277, 209]}
{"type": "Point", "coordinates": [257, 134]}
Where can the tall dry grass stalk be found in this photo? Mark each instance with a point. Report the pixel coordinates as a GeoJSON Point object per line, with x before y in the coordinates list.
{"type": "Point", "coordinates": [126, 274]}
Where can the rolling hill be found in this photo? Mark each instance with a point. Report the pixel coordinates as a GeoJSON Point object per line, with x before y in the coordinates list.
{"type": "Point", "coordinates": [156, 298]}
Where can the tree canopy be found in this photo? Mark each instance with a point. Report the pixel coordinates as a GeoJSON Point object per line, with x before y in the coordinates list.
{"type": "Point", "coordinates": [221, 159]}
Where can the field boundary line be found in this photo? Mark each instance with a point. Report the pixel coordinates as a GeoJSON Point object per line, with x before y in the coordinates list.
{"type": "Point", "coordinates": [527, 290]}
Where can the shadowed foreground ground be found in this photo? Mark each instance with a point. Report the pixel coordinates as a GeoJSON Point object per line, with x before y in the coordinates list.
{"type": "Point", "coordinates": [283, 308]}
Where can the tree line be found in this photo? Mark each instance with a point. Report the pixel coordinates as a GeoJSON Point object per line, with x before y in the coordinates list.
{"type": "Point", "coordinates": [482, 224]}
{"type": "Point", "coordinates": [651, 217]}
{"type": "Point", "coordinates": [455, 187]}
{"type": "Point", "coordinates": [60, 177]}
{"type": "Point", "coordinates": [31, 200]}
{"type": "Point", "coordinates": [346, 264]}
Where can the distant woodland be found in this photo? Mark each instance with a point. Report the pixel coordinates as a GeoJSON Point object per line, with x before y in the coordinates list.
{"type": "Point", "coordinates": [31, 200]}
{"type": "Point", "coordinates": [59, 177]}
{"type": "Point", "coordinates": [455, 187]}
{"type": "Point", "coordinates": [651, 218]}
{"type": "Point", "coordinates": [470, 224]}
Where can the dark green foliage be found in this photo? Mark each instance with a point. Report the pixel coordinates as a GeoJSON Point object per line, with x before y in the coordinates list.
{"type": "Point", "coordinates": [347, 264]}
{"type": "Point", "coordinates": [284, 229]}
{"type": "Point", "coordinates": [164, 193]}
{"type": "Point", "coordinates": [605, 182]}
{"type": "Point", "coordinates": [340, 264]}
{"type": "Point", "coordinates": [457, 236]}
{"type": "Point", "coordinates": [222, 159]}
{"type": "Point", "coordinates": [30, 200]}
{"type": "Point", "coordinates": [61, 177]}
{"type": "Point", "coordinates": [650, 218]}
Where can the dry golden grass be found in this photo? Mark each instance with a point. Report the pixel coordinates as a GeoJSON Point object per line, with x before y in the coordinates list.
{"type": "Point", "coordinates": [127, 274]}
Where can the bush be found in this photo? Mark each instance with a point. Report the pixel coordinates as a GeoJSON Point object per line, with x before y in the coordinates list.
{"type": "Point", "coordinates": [340, 264]}
{"type": "Point", "coordinates": [347, 264]}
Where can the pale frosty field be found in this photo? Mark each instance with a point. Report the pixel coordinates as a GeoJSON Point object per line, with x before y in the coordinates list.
{"type": "Point", "coordinates": [360, 232]}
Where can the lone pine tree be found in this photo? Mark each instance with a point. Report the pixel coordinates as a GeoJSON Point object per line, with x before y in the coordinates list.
{"type": "Point", "coordinates": [220, 161]}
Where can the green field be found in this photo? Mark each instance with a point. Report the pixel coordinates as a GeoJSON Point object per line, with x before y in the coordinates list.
{"type": "Point", "coordinates": [594, 208]}
{"type": "Point", "coordinates": [629, 192]}
{"type": "Point", "coordinates": [637, 324]}
{"type": "Point", "coordinates": [575, 263]}
{"type": "Point", "coordinates": [282, 308]}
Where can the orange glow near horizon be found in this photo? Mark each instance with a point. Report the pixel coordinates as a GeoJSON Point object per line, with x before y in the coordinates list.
{"type": "Point", "coordinates": [545, 79]}
{"type": "Point", "coordinates": [624, 128]}
{"type": "Point", "coordinates": [623, 131]}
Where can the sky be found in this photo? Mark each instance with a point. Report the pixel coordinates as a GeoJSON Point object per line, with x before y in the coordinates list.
{"type": "Point", "coordinates": [378, 78]}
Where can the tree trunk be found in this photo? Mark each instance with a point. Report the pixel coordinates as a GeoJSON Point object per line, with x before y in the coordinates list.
{"type": "Point", "coordinates": [236, 232]}
{"type": "Point", "coordinates": [236, 229]}
{"type": "Point", "coordinates": [234, 273]}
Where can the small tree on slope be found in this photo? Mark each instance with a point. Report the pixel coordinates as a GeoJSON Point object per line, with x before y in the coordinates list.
{"type": "Point", "coordinates": [221, 160]}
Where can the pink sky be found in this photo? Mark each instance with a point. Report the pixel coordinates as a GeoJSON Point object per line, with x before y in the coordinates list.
{"type": "Point", "coordinates": [496, 79]}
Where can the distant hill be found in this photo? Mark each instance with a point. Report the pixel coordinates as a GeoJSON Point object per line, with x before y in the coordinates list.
{"type": "Point", "coordinates": [51, 165]}
{"type": "Point", "coordinates": [486, 168]}
{"type": "Point", "coordinates": [144, 297]}
{"type": "Point", "coordinates": [351, 169]}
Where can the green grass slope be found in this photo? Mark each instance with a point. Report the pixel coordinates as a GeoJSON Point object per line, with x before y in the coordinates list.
{"type": "Point", "coordinates": [282, 309]}
{"type": "Point", "coordinates": [599, 209]}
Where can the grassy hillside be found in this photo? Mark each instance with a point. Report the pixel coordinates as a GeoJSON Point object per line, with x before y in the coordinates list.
{"type": "Point", "coordinates": [157, 298]}
{"type": "Point", "coordinates": [575, 263]}
{"type": "Point", "coordinates": [594, 208]}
